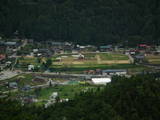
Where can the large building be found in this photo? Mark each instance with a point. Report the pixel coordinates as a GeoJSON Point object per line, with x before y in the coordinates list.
{"type": "Point", "coordinates": [101, 81]}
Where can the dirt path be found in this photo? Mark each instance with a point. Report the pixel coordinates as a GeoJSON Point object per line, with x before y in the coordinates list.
{"type": "Point", "coordinates": [98, 59]}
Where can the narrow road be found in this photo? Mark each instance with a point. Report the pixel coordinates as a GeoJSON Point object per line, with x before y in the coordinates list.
{"type": "Point", "coordinates": [131, 58]}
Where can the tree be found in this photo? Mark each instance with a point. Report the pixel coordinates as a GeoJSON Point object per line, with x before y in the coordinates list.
{"type": "Point", "coordinates": [48, 63]}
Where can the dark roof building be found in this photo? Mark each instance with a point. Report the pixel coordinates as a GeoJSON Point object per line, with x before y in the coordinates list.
{"type": "Point", "coordinates": [114, 72]}
{"type": "Point", "coordinates": [11, 43]}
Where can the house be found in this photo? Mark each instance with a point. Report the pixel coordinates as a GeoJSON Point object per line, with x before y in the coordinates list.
{"type": "Point", "coordinates": [131, 52]}
{"type": "Point", "coordinates": [101, 81]}
{"type": "Point", "coordinates": [44, 53]}
{"type": "Point", "coordinates": [139, 58]}
{"type": "Point", "coordinates": [88, 48]}
{"type": "Point", "coordinates": [39, 79]}
{"type": "Point", "coordinates": [54, 95]}
{"type": "Point", "coordinates": [30, 67]}
{"type": "Point", "coordinates": [29, 99]}
{"type": "Point", "coordinates": [91, 72]}
{"type": "Point", "coordinates": [26, 88]}
{"type": "Point", "coordinates": [30, 40]}
{"type": "Point", "coordinates": [2, 47]}
{"type": "Point", "coordinates": [2, 58]}
{"type": "Point", "coordinates": [144, 47]}
{"type": "Point", "coordinates": [98, 71]}
{"type": "Point", "coordinates": [13, 85]}
{"type": "Point", "coordinates": [114, 72]}
{"type": "Point", "coordinates": [79, 56]}
{"type": "Point", "coordinates": [158, 50]}
{"type": "Point", "coordinates": [35, 50]}
{"type": "Point", "coordinates": [57, 44]}
{"type": "Point", "coordinates": [106, 48]}
{"type": "Point", "coordinates": [74, 51]}
{"type": "Point", "coordinates": [8, 63]}
{"type": "Point", "coordinates": [11, 44]}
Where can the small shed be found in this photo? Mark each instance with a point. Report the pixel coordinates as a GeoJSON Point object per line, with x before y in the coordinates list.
{"type": "Point", "coordinates": [30, 67]}
{"type": "Point", "coordinates": [13, 85]}
{"type": "Point", "coordinates": [54, 95]}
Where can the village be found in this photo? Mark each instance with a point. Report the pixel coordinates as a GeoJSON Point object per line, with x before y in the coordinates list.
{"type": "Point", "coordinates": [50, 71]}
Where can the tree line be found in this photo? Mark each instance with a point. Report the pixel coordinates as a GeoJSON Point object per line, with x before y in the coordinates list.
{"type": "Point", "coordinates": [85, 21]}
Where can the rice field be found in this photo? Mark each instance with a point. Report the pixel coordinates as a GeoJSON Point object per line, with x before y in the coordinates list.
{"type": "Point", "coordinates": [153, 59]}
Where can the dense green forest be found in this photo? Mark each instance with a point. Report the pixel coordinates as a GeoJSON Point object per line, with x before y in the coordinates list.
{"type": "Point", "coordinates": [83, 21]}
{"type": "Point", "coordinates": [135, 98]}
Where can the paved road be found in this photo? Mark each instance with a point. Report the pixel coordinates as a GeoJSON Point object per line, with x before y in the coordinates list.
{"type": "Point", "coordinates": [65, 74]}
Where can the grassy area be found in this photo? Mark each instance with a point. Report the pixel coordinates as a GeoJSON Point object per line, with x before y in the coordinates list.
{"type": "Point", "coordinates": [67, 91]}
{"type": "Point", "coordinates": [43, 94]}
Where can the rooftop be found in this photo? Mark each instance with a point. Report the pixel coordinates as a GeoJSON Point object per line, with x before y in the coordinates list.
{"type": "Point", "coordinates": [101, 80]}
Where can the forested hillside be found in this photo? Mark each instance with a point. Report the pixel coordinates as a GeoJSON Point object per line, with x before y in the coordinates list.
{"type": "Point", "coordinates": [83, 21]}
{"type": "Point", "coordinates": [135, 98]}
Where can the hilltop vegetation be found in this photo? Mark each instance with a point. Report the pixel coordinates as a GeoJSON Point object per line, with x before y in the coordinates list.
{"type": "Point", "coordinates": [135, 98]}
{"type": "Point", "coordinates": [83, 21]}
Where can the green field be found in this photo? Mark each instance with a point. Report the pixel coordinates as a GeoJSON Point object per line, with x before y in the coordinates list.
{"type": "Point", "coordinates": [81, 68]}
{"type": "Point", "coordinates": [64, 92]}
{"type": "Point", "coordinates": [67, 91]}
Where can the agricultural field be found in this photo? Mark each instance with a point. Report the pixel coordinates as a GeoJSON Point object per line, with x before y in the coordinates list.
{"type": "Point", "coordinates": [23, 62]}
{"type": "Point", "coordinates": [27, 60]}
{"type": "Point", "coordinates": [93, 58]}
{"type": "Point", "coordinates": [94, 61]}
{"type": "Point", "coordinates": [153, 59]}
{"type": "Point", "coordinates": [70, 63]}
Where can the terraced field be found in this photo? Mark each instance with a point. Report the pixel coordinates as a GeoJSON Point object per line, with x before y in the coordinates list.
{"type": "Point", "coordinates": [153, 59]}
